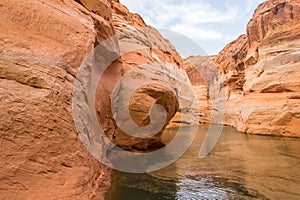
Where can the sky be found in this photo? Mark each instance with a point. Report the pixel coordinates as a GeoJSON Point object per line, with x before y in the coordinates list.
{"type": "Point", "coordinates": [196, 27]}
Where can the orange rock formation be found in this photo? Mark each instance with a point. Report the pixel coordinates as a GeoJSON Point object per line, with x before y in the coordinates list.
{"type": "Point", "coordinates": [260, 72]}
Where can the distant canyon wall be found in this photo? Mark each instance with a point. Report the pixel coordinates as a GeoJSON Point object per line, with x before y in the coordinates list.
{"type": "Point", "coordinates": [259, 73]}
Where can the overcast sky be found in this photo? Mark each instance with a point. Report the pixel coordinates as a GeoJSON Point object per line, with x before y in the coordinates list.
{"type": "Point", "coordinates": [210, 23]}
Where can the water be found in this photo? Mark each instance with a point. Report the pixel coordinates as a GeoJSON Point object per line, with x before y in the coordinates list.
{"type": "Point", "coordinates": [241, 166]}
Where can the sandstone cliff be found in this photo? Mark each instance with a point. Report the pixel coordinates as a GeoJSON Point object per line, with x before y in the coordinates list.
{"type": "Point", "coordinates": [148, 58]}
{"type": "Point", "coordinates": [42, 45]}
{"type": "Point", "coordinates": [260, 72]}
{"type": "Point", "coordinates": [201, 72]}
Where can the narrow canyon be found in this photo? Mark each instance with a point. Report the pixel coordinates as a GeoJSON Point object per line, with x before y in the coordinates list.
{"type": "Point", "coordinates": [43, 45]}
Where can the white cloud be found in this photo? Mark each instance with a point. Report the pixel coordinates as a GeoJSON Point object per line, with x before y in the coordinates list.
{"type": "Point", "coordinates": [201, 20]}
{"type": "Point", "coordinates": [201, 12]}
{"type": "Point", "coordinates": [165, 12]}
{"type": "Point", "coordinates": [197, 33]}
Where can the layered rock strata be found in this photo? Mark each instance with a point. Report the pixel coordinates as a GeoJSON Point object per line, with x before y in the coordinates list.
{"type": "Point", "coordinates": [260, 72]}
{"type": "Point", "coordinates": [152, 62]}
{"type": "Point", "coordinates": [42, 45]}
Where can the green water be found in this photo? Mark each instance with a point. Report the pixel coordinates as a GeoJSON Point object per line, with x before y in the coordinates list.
{"type": "Point", "coordinates": [241, 166]}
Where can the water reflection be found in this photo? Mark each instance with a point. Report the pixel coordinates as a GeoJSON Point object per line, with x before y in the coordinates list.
{"type": "Point", "coordinates": [240, 167]}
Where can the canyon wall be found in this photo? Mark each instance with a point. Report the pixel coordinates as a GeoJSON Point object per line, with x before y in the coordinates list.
{"type": "Point", "coordinates": [42, 45]}
{"type": "Point", "coordinates": [201, 71]}
{"type": "Point", "coordinates": [260, 72]}
{"type": "Point", "coordinates": [147, 59]}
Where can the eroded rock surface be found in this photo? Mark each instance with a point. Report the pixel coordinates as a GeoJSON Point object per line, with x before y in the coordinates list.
{"type": "Point", "coordinates": [270, 105]}
{"type": "Point", "coordinates": [260, 72]}
{"type": "Point", "coordinates": [42, 45]}
{"type": "Point", "coordinates": [202, 72]}
{"type": "Point", "coordinates": [148, 58]}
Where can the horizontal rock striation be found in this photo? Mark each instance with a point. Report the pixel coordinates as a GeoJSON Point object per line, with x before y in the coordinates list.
{"type": "Point", "coordinates": [259, 72]}
{"type": "Point", "coordinates": [147, 59]}
{"type": "Point", "coordinates": [42, 50]}
{"type": "Point", "coordinates": [42, 45]}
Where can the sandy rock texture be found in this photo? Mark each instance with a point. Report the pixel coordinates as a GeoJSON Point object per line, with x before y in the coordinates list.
{"type": "Point", "coordinates": [260, 72]}
{"type": "Point", "coordinates": [42, 45]}
{"type": "Point", "coordinates": [202, 72]}
{"type": "Point", "coordinates": [148, 58]}
{"type": "Point", "coordinates": [271, 102]}
{"type": "Point", "coordinates": [42, 48]}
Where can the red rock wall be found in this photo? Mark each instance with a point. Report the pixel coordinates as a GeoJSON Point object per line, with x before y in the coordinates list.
{"type": "Point", "coordinates": [199, 69]}
{"type": "Point", "coordinates": [260, 72]}
{"type": "Point", "coordinates": [42, 45]}
{"type": "Point", "coordinates": [143, 44]}
{"type": "Point", "coordinates": [271, 104]}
